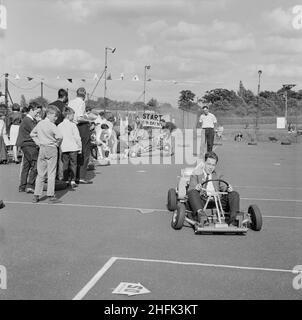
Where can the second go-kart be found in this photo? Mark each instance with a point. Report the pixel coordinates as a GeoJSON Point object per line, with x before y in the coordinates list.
{"type": "Point", "coordinates": [217, 218]}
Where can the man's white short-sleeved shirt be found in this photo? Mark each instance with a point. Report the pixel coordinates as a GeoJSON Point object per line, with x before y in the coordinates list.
{"type": "Point", "coordinates": [79, 107]}
{"type": "Point", "coordinates": [208, 120]}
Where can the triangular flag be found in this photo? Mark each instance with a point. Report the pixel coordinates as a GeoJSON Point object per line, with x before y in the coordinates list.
{"type": "Point", "coordinates": [122, 76]}
{"type": "Point", "coordinates": [70, 80]}
{"type": "Point", "coordinates": [17, 77]}
{"type": "Point", "coordinates": [149, 79]}
{"type": "Point", "coordinates": [148, 67]}
{"type": "Point", "coordinates": [95, 77]}
{"type": "Point", "coordinates": [135, 78]}
{"type": "Point", "coordinates": [29, 78]}
{"type": "Point", "coordinates": [109, 77]}
{"type": "Point", "coordinates": [83, 80]}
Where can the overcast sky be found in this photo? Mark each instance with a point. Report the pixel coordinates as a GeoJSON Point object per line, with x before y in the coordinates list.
{"type": "Point", "coordinates": [190, 44]}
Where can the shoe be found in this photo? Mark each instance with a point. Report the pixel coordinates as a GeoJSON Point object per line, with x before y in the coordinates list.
{"type": "Point", "coordinates": [201, 216]}
{"type": "Point", "coordinates": [53, 199]}
{"type": "Point", "coordinates": [36, 199]}
{"type": "Point", "coordinates": [2, 205]}
{"type": "Point", "coordinates": [30, 190]}
{"type": "Point", "coordinates": [73, 184]}
{"type": "Point", "coordinates": [21, 189]}
{"type": "Point", "coordinates": [83, 181]}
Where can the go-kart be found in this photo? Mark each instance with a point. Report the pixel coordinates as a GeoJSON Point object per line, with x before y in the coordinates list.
{"type": "Point", "coordinates": [217, 219]}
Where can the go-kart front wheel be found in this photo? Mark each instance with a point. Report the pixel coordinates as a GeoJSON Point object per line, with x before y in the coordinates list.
{"type": "Point", "coordinates": [178, 217]}
{"type": "Point", "coordinates": [172, 200]}
{"type": "Point", "coordinates": [256, 217]}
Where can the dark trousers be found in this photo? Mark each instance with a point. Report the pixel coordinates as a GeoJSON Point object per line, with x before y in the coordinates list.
{"type": "Point", "coordinates": [29, 167]}
{"type": "Point", "coordinates": [230, 202]}
{"type": "Point", "coordinates": [83, 158]}
{"type": "Point", "coordinates": [69, 160]}
{"type": "Point", "coordinates": [209, 137]}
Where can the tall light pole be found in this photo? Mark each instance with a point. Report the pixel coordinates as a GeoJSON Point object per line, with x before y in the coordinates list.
{"type": "Point", "coordinates": [145, 76]}
{"type": "Point", "coordinates": [105, 85]}
{"type": "Point", "coordinates": [258, 92]}
{"type": "Point", "coordinates": [286, 88]}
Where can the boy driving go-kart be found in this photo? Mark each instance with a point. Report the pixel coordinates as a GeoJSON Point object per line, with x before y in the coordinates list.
{"type": "Point", "coordinates": [209, 204]}
{"type": "Point", "coordinates": [206, 182]}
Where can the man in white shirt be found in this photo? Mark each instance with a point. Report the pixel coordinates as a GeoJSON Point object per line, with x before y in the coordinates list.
{"type": "Point", "coordinates": [208, 122]}
{"type": "Point", "coordinates": [80, 118]}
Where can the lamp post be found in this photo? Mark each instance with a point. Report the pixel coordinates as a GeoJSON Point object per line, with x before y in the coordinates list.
{"type": "Point", "coordinates": [105, 84]}
{"type": "Point", "coordinates": [258, 92]}
{"type": "Point", "coordinates": [145, 76]}
{"type": "Point", "coordinates": [286, 88]}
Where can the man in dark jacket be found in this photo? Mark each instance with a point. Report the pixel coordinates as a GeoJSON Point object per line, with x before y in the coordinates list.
{"type": "Point", "coordinates": [197, 198]}
{"type": "Point", "coordinates": [29, 149]}
{"type": "Point", "coordinates": [61, 104]}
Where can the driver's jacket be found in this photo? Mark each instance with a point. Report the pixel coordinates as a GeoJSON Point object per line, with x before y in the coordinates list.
{"type": "Point", "coordinates": [201, 178]}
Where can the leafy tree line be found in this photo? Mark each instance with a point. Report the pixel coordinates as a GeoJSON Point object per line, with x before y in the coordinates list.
{"type": "Point", "coordinates": [243, 103]}
{"type": "Point", "coordinates": [152, 104]}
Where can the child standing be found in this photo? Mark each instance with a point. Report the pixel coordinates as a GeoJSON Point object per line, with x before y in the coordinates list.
{"type": "Point", "coordinates": [70, 147]}
{"type": "Point", "coordinates": [3, 152]}
{"type": "Point", "coordinates": [48, 137]}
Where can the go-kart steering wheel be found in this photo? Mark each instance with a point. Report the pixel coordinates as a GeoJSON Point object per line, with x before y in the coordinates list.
{"type": "Point", "coordinates": [220, 180]}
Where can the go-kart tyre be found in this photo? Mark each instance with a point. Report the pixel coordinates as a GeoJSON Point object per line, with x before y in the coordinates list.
{"type": "Point", "coordinates": [286, 143]}
{"type": "Point", "coordinates": [172, 200]}
{"type": "Point", "coordinates": [256, 217]}
{"type": "Point", "coordinates": [178, 217]}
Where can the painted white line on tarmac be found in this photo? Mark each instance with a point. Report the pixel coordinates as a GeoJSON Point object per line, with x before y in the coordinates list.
{"type": "Point", "coordinates": [269, 187]}
{"type": "Point", "coordinates": [141, 210]}
{"type": "Point", "coordinates": [276, 200]}
{"type": "Point", "coordinates": [206, 265]}
{"type": "Point", "coordinates": [82, 293]}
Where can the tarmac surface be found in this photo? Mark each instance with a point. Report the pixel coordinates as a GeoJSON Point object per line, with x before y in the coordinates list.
{"type": "Point", "coordinates": [118, 230]}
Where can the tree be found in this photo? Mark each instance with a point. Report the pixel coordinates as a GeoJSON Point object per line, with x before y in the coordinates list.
{"type": "Point", "coordinates": [186, 100]}
{"type": "Point", "coordinates": [23, 103]}
{"type": "Point", "coordinates": [152, 104]}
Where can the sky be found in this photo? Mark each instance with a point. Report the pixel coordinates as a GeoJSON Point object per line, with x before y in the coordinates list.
{"type": "Point", "coordinates": [190, 44]}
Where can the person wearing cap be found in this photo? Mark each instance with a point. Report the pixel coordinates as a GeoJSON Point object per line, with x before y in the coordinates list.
{"type": "Point", "coordinates": [82, 121]}
{"type": "Point", "coordinates": [208, 122]}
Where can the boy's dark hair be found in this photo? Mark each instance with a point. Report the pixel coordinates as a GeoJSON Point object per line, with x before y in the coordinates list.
{"type": "Point", "coordinates": [211, 155]}
{"type": "Point", "coordinates": [62, 93]}
{"type": "Point", "coordinates": [33, 106]}
{"type": "Point", "coordinates": [205, 107]}
{"type": "Point", "coordinates": [16, 107]}
{"type": "Point", "coordinates": [52, 110]}
{"type": "Point", "coordinates": [67, 111]}
{"type": "Point", "coordinates": [104, 126]}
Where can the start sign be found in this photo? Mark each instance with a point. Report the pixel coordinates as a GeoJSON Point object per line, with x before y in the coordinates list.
{"type": "Point", "coordinates": [152, 120]}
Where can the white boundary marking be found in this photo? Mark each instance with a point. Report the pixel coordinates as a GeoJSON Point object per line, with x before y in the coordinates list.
{"type": "Point", "coordinates": [83, 292]}
{"type": "Point", "coordinates": [142, 210]}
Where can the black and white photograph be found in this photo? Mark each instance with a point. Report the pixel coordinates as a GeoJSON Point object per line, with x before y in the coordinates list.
{"type": "Point", "coordinates": [150, 150]}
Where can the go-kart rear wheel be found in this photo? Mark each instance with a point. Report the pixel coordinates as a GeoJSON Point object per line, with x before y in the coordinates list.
{"type": "Point", "coordinates": [178, 217]}
{"type": "Point", "coordinates": [256, 217]}
{"type": "Point", "coordinates": [172, 200]}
